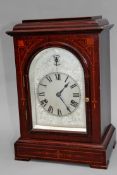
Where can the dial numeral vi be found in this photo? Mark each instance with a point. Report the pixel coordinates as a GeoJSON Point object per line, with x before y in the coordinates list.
{"type": "Point", "coordinates": [59, 112]}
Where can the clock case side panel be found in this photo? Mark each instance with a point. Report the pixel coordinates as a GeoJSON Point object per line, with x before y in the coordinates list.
{"type": "Point", "coordinates": [54, 134]}
{"type": "Point", "coordinates": [105, 82]}
{"type": "Point", "coordinates": [20, 88]}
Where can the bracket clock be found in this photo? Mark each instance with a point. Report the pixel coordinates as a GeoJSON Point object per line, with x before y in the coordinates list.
{"type": "Point", "coordinates": [63, 82]}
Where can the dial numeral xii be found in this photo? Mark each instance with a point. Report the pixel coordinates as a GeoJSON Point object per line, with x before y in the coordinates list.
{"type": "Point", "coordinates": [58, 76]}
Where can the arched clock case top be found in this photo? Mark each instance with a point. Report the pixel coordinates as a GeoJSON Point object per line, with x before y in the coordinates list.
{"type": "Point", "coordinates": [53, 134]}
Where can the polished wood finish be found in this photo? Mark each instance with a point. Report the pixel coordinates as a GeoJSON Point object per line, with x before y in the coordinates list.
{"type": "Point", "coordinates": [96, 155]}
{"type": "Point", "coordinates": [82, 24]}
{"type": "Point", "coordinates": [87, 38]}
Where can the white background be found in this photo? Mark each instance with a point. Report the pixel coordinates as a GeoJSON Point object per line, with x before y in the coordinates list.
{"type": "Point", "coordinates": [12, 12]}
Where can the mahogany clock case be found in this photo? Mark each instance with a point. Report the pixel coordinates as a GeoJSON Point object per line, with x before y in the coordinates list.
{"type": "Point", "coordinates": [88, 39]}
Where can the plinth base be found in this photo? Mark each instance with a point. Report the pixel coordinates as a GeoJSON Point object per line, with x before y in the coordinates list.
{"type": "Point", "coordinates": [96, 155]}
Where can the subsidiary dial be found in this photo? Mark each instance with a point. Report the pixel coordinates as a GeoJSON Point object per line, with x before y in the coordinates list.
{"type": "Point", "coordinates": [58, 94]}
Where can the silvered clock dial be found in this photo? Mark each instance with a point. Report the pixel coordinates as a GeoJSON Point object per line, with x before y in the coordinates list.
{"type": "Point", "coordinates": [57, 91]}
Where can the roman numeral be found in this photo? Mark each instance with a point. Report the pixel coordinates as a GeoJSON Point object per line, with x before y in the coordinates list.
{"type": "Point", "coordinates": [49, 78]}
{"type": "Point", "coordinates": [66, 78]}
{"type": "Point", "coordinates": [74, 103]}
{"type": "Point", "coordinates": [72, 86]}
{"type": "Point", "coordinates": [58, 76]}
{"type": "Point", "coordinates": [76, 94]}
{"type": "Point", "coordinates": [50, 109]}
{"type": "Point", "coordinates": [41, 94]}
{"type": "Point", "coordinates": [44, 102]}
{"type": "Point", "coordinates": [59, 112]}
{"type": "Point", "coordinates": [42, 84]}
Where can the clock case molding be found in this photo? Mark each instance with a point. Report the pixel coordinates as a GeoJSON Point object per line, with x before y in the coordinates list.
{"type": "Point", "coordinates": [88, 39]}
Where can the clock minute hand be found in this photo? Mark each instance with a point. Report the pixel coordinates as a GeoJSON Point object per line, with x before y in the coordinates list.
{"type": "Point", "coordinates": [64, 103]}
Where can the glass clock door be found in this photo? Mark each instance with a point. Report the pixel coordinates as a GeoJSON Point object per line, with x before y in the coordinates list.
{"type": "Point", "coordinates": [57, 90]}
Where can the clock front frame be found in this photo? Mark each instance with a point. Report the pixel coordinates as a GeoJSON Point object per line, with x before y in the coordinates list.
{"type": "Point", "coordinates": [59, 134]}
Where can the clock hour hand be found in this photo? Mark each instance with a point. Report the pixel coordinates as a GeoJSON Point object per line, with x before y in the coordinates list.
{"type": "Point", "coordinates": [64, 104]}
{"type": "Point", "coordinates": [59, 93]}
